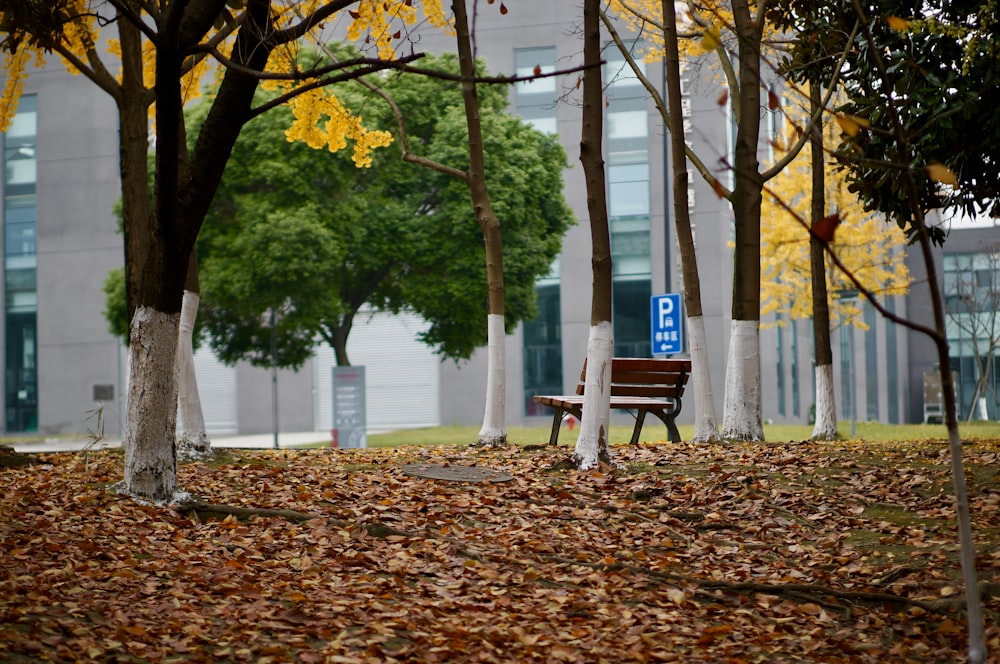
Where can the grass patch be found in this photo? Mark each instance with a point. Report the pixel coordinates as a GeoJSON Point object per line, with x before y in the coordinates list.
{"type": "Point", "coordinates": [621, 433]}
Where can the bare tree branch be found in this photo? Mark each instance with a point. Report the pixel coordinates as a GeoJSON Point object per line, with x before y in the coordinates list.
{"type": "Point", "coordinates": [403, 135]}
{"type": "Point", "coordinates": [794, 150]}
{"type": "Point", "coordinates": [374, 66]}
{"type": "Point", "coordinates": [126, 11]}
{"type": "Point", "coordinates": [662, 107]}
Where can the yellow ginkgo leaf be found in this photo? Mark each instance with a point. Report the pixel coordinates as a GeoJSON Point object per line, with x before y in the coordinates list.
{"type": "Point", "coordinates": [860, 121]}
{"type": "Point", "coordinates": [849, 124]}
{"type": "Point", "coordinates": [898, 24]}
{"type": "Point", "coordinates": [941, 173]}
{"type": "Point", "coordinates": [711, 38]}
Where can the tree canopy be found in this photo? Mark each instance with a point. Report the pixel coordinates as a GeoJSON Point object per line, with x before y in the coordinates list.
{"type": "Point", "coordinates": [943, 67]}
{"type": "Point", "coordinates": [308, 233]}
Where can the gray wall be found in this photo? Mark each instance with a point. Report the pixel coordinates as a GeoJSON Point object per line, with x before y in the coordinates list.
{"type": "Point", "coordinates": [77, 245]}
{"type": "Point", "coordinates": [254, 399]}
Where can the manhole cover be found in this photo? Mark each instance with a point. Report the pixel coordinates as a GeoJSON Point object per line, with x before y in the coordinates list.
{"type": "Point", "coordinates": [437, 471]}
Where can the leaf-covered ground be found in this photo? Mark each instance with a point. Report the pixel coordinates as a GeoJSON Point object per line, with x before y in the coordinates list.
{"type": "Point", "coordinates": [793, 552]}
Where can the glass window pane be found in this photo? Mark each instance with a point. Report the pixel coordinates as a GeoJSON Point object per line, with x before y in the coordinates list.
{"type": "Point", "coordinates": [628, 198]}
{"type": "Point", "coordinates": [631, 317]}
{"type": "Point", "coordinates": [627, 124]}
{"type": "Point", "coordinates": [525, 61]}
{"type": "Point", "coordinates": [628, 172]}
{"type": "Point", "coordinates": [619, 73]}
{"type": "Point", "coordinates": [25, 123]}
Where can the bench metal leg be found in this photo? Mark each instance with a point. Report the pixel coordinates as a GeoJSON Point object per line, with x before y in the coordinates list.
{"type": "Point", "coordinates": [556, 425]}
{"type": "Point", "coordinates": [640, 417]}
{"type": "Point", "coordinates": [672, 432]}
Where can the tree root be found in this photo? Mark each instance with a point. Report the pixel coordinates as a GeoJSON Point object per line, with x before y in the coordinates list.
{"type": "Point", "coordinates": [802, 592]}
{"type": "Point", "coordinates": [9, 458]}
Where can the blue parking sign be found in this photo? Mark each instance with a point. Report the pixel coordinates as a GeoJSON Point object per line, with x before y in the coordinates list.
{"type": "Point", "coordinates": [667, 327]}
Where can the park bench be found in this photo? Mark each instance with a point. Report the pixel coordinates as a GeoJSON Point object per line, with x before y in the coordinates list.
{"type": "Point", "coordinates": [645, 385]}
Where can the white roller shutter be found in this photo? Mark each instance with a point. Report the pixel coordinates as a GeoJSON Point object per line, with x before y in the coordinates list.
{"type": "Point", "coordinates": [402, 374]}
{"type": "Point", "coordinates": [217, 389]}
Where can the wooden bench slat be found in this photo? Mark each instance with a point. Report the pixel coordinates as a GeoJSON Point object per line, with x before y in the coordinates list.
{"type": "Point", "coordinates": [654, 391]}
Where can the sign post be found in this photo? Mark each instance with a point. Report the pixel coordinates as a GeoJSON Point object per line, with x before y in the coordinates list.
{"type": "Point", "coordinates": [349, 408]}
{"type": "Point", "coordinates": [667, 329]}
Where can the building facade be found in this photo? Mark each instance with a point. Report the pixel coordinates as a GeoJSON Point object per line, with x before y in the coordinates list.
{"type": "Point", "coordinates": [60, 241]}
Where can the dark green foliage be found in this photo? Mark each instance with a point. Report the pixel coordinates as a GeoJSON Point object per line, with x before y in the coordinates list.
{"type": "Point", "coordinates": [944, 73]}
{"type": "Point", "coordinates": [115, 308]}
{"type": "Point", "coordinates": [307, 232]}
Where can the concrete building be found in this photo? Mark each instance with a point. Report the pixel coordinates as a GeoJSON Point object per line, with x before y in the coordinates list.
{"type": "Point", "coordinates": [60, 241]}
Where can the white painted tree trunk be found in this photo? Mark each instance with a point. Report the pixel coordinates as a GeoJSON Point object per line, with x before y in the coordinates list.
{"type": "Point", "coordinates": [706, 425]}
{"type": "Point", "coordinates": [741, 416]}
{"type": "Point", "coordinates": [592, 445]}
{"type": "Point", "coordinates": [826, 405]}
{"type": "Point", "coordinates": [150, 462]}
{"type": "Point", "coordinates": [192, 439]}
{"type": "Point", "coordinates": [980, 409]}
{"type": "Point", "coordinates": [494, 430]}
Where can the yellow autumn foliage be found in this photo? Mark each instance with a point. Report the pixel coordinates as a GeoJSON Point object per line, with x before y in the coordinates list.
{"type": "Point", "coordinates": [698, 34]}
{"type": "Point", "coordinates": [13, 65]}
{"type": "Point", "coordinates": [320, 119]}
{"type": "Point", "coordinates": [868, 245]}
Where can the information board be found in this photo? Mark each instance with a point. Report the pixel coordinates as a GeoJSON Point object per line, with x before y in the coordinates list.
{"type": "Point", "coordinates": [348, 408]}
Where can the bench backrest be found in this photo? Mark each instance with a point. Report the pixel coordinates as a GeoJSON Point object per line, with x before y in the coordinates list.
{"type": "Point", "coordinates": [658, 378]}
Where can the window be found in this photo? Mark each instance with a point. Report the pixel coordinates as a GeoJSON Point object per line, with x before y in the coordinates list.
{"type": "Point", "coordinates": [630, 305]}
{"type": "Point", "coordinates": [780, 332]}
{"type": "Point", "coordinates": [796, 409]}
{"type": "Point", "coordinates": [972, 298]}
{"type": "Point", "coordinates": [543, 349]}
{"type": "Point", "coordinates": [20, 277]}
{"type": "Point", "coordinates": [871, 363]}
{"type": "Point", "coordinates": [891, 364]}
{"type": "Point", "coordinates": [627, 155]}
{"type": "Point", "coordinates": [535, 102]}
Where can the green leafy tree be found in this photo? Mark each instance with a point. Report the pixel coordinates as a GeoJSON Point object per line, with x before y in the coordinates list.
{"type": "Point", "coordinates": [309, 235]}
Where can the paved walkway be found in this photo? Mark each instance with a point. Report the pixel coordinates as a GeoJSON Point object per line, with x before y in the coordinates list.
{"type": "Point", "coordinates": [260, 441]}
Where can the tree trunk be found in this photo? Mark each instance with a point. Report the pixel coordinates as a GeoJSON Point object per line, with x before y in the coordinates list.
{"type": "Point", "coordinates": [338, 340]}
{"type": "Point", "coordinates": [133, 127]}
{"type": "Point", "coordinates": [973, 602]}
{"type": "Point", "coordinates": [183, 192]}
{"type": "Point", "coordinates": [192, 439]}
{"type": "Point", "coordinates": [706, 428]}
{"type": "Point", "coordinates": [150, 459]}
{"type": "Point", "coordinates": [150, 463]}
{"type": "Point", "coordinates": [592, 444]}
{"type": "Point", "coordinates": [494, 430]}
{"type": "Point", "coordinates": [983, 363]}
{"type": "Point", "coordinates": [741, 416]}
{"type": "Point", "coordinates": [150, 467]}
{"type": "Point", "coordinates": [825, 427]}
